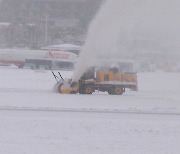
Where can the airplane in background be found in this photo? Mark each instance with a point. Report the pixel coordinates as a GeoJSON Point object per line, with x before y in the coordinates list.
{"type": "Point", "coordinates": [19, 56]}
{"type": "Point", "coordinates": [64, 47]}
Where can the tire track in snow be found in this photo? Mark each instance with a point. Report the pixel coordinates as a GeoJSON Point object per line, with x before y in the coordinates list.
{"type": "Point", "coordinates": [71, 110]}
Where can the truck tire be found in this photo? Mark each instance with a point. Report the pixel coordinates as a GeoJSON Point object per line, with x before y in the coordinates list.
{"type": "Point", "coordinates": [110, 91]}
{"type": "Point", "coordinates": [88, 89]}
{"type": "Point", "coordinates": [81, 91]}
{"type": "Point", "coordinates": [118, 91]}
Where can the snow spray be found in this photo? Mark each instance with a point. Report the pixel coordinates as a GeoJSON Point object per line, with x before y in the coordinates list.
{"type": "Point", "coordinates": [130, 28]}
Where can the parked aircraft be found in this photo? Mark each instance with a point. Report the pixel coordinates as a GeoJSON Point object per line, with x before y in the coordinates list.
{"type": "Point", "coordinates": [19, 56]}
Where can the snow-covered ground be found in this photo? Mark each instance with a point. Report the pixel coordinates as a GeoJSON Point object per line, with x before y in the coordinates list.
{"type": "Point", "coordinates": [36, 120]}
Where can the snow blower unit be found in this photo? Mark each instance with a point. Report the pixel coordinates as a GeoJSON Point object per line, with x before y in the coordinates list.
{"type": "Point", "coordinates": [104, 80]}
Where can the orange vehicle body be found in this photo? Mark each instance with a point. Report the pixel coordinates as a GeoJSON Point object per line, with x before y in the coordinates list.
{"type": "Point", "coordinates": [106, 80]}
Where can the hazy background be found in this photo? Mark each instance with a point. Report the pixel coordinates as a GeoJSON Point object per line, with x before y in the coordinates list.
{"type": "Point", "coordinates": [139, 31]}
{"type": "Point", "coordinates": [36, 23]}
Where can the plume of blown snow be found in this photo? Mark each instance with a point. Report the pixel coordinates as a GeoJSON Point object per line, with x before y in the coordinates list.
{"type": "Point", "coordinates": [130, 28]}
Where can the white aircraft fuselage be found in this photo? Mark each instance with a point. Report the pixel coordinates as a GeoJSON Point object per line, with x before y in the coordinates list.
{"type": "Point", "coordinates": [18, 56]}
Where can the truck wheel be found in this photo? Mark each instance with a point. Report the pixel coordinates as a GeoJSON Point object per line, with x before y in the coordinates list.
{"type": "Point", "coordinates": [110, 91]}
{"type": "Point", "coordinates": [118, 91]}
{"type": "Point", "coordinates": [88, 89]}
{"type": "Point", "coordinates": [81, 91]}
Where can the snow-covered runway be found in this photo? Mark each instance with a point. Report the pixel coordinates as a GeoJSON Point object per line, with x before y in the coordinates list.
{"type": "Point", "coordinates": [61, 132]}
{"type": "Point", "coordinates": [36, 120]}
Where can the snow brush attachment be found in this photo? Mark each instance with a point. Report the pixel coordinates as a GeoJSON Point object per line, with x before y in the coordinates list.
{"type": "Point", "coordinates": [63, 86]}
{"type": "Point", "coordinates": [66, 88]}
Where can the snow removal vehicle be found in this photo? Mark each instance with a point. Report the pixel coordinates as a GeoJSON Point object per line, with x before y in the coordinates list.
{"type": "Point", "coordinates": [101, 80]}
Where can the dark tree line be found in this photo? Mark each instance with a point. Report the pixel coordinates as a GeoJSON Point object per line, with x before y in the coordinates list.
{"type": "Point", "coordinates": [35, 23]}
